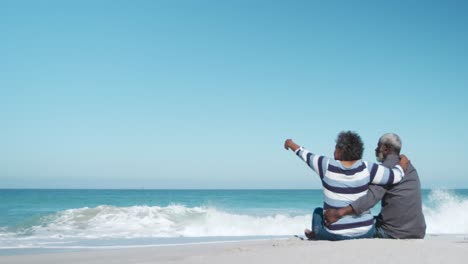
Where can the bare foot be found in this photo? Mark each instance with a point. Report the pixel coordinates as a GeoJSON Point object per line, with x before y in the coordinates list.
{"type": "Point", "coordinates": [309, 234]}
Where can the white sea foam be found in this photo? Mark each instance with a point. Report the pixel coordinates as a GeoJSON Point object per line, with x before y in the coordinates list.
{"type": "Point", "coordinates": [446, 213]}
{"type": "Point", "coordinates": [154, 221]}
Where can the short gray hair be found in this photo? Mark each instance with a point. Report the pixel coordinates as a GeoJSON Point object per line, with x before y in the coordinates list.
{"type": "Point", "coordinates": [391, 140]}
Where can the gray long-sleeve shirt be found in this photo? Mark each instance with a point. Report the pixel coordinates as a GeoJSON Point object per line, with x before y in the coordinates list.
{"type": "Point", "coordinates": [401, 215]}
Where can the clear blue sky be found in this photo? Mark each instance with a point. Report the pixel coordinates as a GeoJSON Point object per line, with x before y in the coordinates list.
{"type": "Point", "coordinates": [202, 94]}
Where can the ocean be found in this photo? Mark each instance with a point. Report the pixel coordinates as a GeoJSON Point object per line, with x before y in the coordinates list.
{"type": "Point", "coordinates": [38, 220]}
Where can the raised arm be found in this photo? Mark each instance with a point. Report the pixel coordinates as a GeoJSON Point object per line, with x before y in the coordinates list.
{"type": "Point", "coordinates": [315, 162]}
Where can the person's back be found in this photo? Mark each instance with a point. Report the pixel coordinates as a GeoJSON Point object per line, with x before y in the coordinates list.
{"type": "Point", "coordinates": [401, 215]}
{"type": "Point", "coordinates": [342, 186]}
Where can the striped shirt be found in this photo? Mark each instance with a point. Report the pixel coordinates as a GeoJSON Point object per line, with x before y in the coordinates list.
{"type": "Point", "coordinates": [343, 185]}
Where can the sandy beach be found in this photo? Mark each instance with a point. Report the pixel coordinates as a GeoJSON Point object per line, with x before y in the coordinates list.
{"type": "Point", "coordinates": [292, 250]}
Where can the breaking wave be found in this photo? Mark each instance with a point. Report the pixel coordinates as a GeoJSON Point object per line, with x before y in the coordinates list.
{"type": "Point", "coordinates": [136, 222]}
{"type": "Point", "coordinates": [446, 213]}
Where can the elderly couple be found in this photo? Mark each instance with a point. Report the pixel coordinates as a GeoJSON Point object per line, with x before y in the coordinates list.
{"type": "Point", "coordinates": [352, 187]}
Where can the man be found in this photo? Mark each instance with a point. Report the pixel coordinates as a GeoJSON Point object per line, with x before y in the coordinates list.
{"type": "Point", "coordinates": [401, 215]}
{"type": "Point", "coordinates": [344, 178]}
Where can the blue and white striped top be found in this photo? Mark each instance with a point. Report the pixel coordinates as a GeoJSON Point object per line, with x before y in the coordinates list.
{"type": "Point", "coordinates": [343, 185]}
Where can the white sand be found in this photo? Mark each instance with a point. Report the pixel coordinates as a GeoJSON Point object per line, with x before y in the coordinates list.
{"type": "Point", "coordinates": [288, 251]}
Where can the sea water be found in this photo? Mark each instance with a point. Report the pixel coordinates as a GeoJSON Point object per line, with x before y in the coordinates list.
{"type": "Point", "coordinates": [40, 220]}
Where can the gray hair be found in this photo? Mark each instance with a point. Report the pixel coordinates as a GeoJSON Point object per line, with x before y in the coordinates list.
{"type": "Point", "coordinates": [392, 141]}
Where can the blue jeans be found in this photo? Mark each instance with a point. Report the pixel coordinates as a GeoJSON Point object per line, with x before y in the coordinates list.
{"type": "Point", "coordinates": [380, 232]}
{"type": "Point", "coordinates": [318, 228]}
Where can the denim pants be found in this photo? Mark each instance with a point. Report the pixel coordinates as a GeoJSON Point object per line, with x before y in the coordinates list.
{"type": "Point", "coordinates": [380, 232]}
{"type": "Point", "coordinates": [318, 227]}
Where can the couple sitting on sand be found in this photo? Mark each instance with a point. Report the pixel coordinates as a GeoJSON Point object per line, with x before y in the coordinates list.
{"type": "Point", "coordinates": [352, 187]}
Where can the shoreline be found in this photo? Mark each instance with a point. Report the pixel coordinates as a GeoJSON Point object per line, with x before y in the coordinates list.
{"type": "Point", "coordinates": [84, 248]}
{"type": "Point", "coordinates": [433, 249]}
{"type": "Point", "coordinates": [190, 242]}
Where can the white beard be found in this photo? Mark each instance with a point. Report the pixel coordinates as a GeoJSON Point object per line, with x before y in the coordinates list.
{"type": "Point", "coordinates": [380, 157]}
